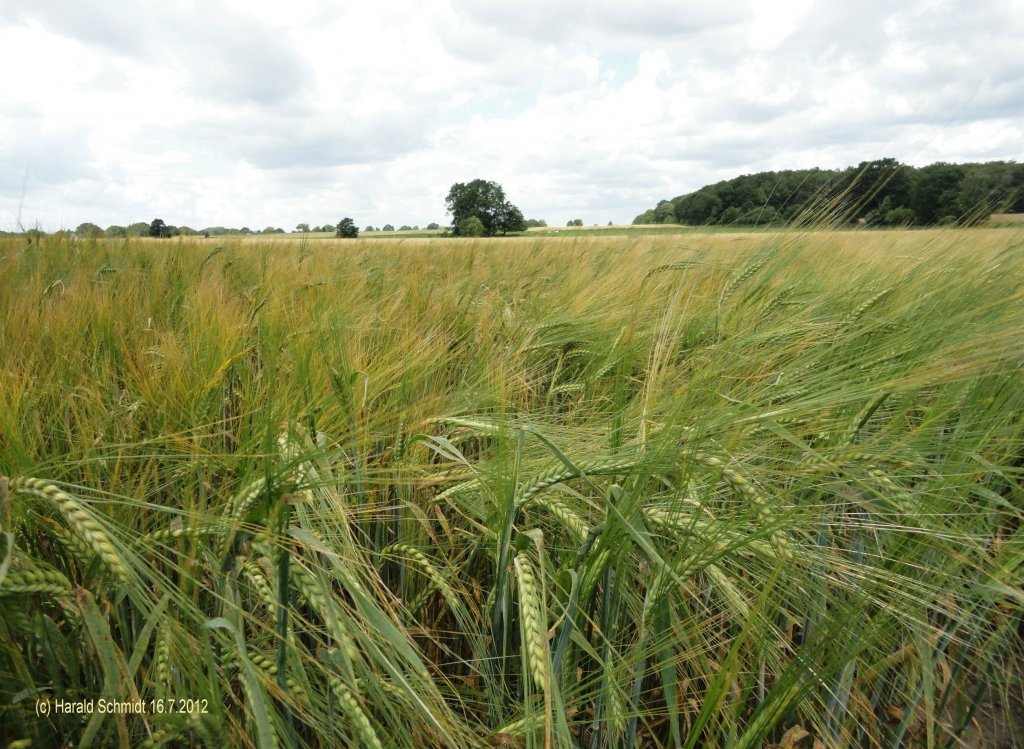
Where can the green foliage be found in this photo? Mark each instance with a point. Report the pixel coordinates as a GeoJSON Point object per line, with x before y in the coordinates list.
{"type": "Point", "coordinates": [347, 229]}
{"type": "Point", "coordinates": [487, 203]}
{"type": "Point", "coordinates": [433, 226]}
{"type": "Point", "coordinates": [88, 231]}
{"type": "Point", "coordinates": [470, 226]}
{"type": "Point", "coordinates": [870, 191]}
{"type": "Point", "coordinates": [388, 227]}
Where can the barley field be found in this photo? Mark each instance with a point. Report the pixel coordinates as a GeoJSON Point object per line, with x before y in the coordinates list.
{"type": "Point", "coordinates": [724, 490]}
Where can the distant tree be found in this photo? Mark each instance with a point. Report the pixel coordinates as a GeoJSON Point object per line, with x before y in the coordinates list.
{"type": "Point", "coordinates": [610, 223]}
{"type": "Point", "coordinates": [416, 228]}
{"type": "Point", "coordinates": [432, 226]}
{"type": "Point", "coordinates": [88, 230]}
{"type": "Point", "coordinates": [388, 227]}
{"type": "Point", "coordinates": [302, 228]}
{"type": "Point", "coordinates": [368, 228]}
{"type": "Point", "coordinates": [187, 231]}
{"type": "Point", "coordinates": [267, 230]}
{"type": "Point", "coordinates": [346, 229]}
{"type": "Point", "coordinates": [486, 201]}
{"type": "Point", "coordinates": [509, 218]}
{"type": "Point", "coordinates": [115, 231]}
{"type": "Point", "coordinates": [157, 227]}
{"type": "Point", "coordinates": [536, 223]}
{"type": "Point", "coordinates": [405, 227]}
{"type": "Point", "coordinates": [471, 226]}
{"type": "Point", "coordinates": [245, 230]}
{"type": "Point", "coordinates": [575, 222]}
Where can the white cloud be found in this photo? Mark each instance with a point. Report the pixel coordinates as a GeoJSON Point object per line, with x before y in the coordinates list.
{"type": "Point", "coordinates": [235, 112]}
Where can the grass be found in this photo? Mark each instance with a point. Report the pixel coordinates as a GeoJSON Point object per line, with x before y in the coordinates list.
{"type": "Point", "coordinates": [729, 490]}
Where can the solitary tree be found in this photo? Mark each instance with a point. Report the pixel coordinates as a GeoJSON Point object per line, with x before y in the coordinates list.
{"type": "Point", "coordinates": [157, 228]}
{"type": "Point", "coordinates": [486, 201]}
{"type": "Point", "coordinates": [302, 228]}
{"type": "Point", "coordinates": [347, 229]}
{"type": "Point", "coordinates": [88, 230]}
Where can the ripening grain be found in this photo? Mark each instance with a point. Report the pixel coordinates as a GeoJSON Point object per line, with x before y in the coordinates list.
{"type": "Point", "coordinates": [651, 491]}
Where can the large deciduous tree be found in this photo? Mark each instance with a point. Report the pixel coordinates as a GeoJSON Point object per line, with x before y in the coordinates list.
{"type": "Point", "coordinates": [485, 201]}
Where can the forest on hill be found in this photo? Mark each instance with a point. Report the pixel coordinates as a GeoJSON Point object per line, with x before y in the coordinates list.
{"type": "Point", "coordinates": [883, 192]}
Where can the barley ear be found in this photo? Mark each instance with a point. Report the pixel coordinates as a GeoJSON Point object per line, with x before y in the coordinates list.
{"type": "Point", "coordinates": [77, 518]}
{"type": "Point", "coordinates": [534, 633]}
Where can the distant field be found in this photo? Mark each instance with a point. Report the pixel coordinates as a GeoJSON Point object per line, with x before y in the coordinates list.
{"type": "Point", "coordinates": [648, 487]}
{"type": "Point", "coordinates": [999, 220]}
{"type": "Point", "coordinates": [1007, 218]}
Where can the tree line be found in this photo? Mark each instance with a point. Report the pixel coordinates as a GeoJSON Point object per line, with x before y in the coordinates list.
{"type": "Point", "coordinates": [883, 192]}
{"type": "Point", "coordinates": [478, 209]}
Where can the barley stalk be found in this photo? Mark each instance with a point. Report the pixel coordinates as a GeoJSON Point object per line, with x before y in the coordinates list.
{"type": "Point", "coordinates": [77, 517]}
{"type": "Point", "coordinates": [735, 283]}
{"type": "Point", "coordinates": [428, 567]}
{"type": "Point", "coordinates": [246, 499]}
{"type": "Point", "coordinates": [269, 667]}
{"type": "Point", "coordinates": [865, 306]}
{"type": "Point", "coordinates": [534, 632]}
{"type": "Point", "coordinates": [745, 489]}
{"type": "Point", "coordinates": [352, 709]}
{"type": "Point", "coordinates": [162, 659]}
{"type": "Point", "coordinates": [573, 522]}
{"type": "Point", "coordinates": [560, 474]}
{"type": "Point", "coordinates": [29, 581]}
{"type": "Point", "coordinates": [172, 534]}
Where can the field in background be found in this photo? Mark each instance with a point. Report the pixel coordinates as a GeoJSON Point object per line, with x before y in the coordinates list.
{"type": "Point", "coordinates": [696, 489]}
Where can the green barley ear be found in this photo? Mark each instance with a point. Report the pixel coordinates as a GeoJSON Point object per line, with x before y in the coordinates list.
{"type": "Point", "coordinates": [34, 581]}
{"type": "Point", "coordinates": [354, 712]}
{"type": "Point", "coordinates": [533, 625]}
{"type": "Point", "coordinates": [77, 518]}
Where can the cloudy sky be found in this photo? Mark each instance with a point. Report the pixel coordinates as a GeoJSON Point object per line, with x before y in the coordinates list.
{"type": "Point", "coordinates": [235, 112]}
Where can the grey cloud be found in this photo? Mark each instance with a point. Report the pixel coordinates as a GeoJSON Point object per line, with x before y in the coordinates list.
{"type": "Point", "coordinates": [229, 56]}
{"type": "Point", "coordinates": [543, 20]}
{"type": "Point", "coordinates": [33, 157]}
{"type": "Point", "coordinates": [281, 142]}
